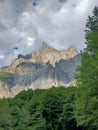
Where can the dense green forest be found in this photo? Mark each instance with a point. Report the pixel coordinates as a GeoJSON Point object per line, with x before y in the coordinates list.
{"type": "Point", "coordinates": [50, 109]}
{"type": "Point", "coordinates": [86, 102]}
{"type": "Point", "coordinates": [59, 108]}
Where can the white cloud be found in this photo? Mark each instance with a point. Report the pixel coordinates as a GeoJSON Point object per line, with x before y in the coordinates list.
{"type": "Point", "coordinates": [58, 22]}
{"type": "Point", "coordinates": [2, 56]}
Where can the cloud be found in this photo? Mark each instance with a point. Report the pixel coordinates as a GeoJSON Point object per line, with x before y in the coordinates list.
{"type": "Point", "coordinates": [25, 24]}
{"type": "Point", "coordinates": [2, 56]}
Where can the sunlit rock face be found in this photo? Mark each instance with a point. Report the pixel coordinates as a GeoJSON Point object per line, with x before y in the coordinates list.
{"type": "Point", "coordinates": [44, 69]}
{"type": "Point", "coordinates": [47, 54]}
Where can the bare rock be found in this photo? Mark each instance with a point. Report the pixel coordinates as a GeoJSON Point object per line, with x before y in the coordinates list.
{"type": "Point", "coordinates": [44, 69]}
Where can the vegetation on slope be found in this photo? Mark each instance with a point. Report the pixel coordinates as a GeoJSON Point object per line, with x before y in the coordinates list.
{"type": "Point", "coordinates": [86, 103]}
{"type": "Point", "coordinates": [50, 109]}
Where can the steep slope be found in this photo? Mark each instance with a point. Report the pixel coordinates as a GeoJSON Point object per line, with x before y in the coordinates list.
{"type": "Point", "coordinates": [49, 67]}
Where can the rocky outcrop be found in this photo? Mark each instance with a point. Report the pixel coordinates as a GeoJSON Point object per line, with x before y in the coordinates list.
{"type": "Point", "coordinates": [49, 67]}
{"type": "Point", "coordinates": [26, 74]}
{"type": "Point", "coordinates": [47, 54]}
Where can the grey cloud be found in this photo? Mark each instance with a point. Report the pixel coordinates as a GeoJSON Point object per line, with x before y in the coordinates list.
{"type": "Point", "coordinates": [3, 27]}
{"type": "Point", "coordinates": [62, 0]}
{"type": "Point", "coordinates": [2, 1]}
{"type": "Point", "coordinates": [27, 23]}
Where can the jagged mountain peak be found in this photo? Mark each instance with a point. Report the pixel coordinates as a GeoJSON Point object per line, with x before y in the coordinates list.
{"type": "Point", "coordinates": [44, 46]}
{"type": "Point", "coordinates": [44, 69]}
{"type": "Point", "coordinates": [47, 54]}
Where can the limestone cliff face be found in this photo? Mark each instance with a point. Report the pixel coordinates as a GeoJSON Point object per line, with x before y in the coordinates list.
{"type": "Point", "coordinates": [47, 54]}
{"type": "Point", "coordinates": [49, 67]}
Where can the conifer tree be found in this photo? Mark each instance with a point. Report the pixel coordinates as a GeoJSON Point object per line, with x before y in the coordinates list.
{"type": "Point", "coordinates": [86, 104]}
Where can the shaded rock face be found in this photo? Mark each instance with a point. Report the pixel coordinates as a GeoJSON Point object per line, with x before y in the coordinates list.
{"type": "Point", "coordinates": [63, 72]}
{"type": "Point", "coordinates": [28, 56]}
{"type": "Point", "coordinates": [39, 70]}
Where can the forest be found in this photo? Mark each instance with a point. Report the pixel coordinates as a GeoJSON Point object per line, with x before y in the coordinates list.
{"type": "Point", "coordinates": [60, 108]}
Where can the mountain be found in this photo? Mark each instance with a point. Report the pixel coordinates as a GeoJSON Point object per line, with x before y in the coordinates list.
{"type": "Point", "coordinates": [44, 69]}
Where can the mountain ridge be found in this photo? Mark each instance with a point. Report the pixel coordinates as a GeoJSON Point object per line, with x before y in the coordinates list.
{"type": "Point", "coordinates": [44, 69]}
{"type": "Point", "coordinates": [47, 54]}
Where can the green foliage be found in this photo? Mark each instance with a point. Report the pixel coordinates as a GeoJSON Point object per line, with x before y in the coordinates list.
{"type": "Point", "coordinates": [50, 109]}
{"type": "Point", "coordinates": [92, 22]}
{"type": "Point", "coordinates": [86, 103]}
{"type": "Point", "coordinates": [5, 117]}
{"type": "Point", "coordinates": [92, 44]}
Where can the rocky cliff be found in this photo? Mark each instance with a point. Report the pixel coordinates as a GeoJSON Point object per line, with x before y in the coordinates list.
{"type": "Point", "coordinates": [46, 68]}
{"type": "Point", "coordinates": [47, 54]}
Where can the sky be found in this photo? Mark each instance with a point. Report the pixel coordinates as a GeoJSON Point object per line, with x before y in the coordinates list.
{"type": "Point", "coordinates": [26, 24]}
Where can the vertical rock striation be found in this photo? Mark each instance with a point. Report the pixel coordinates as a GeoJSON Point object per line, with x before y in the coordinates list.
{"type": "Point", "coordinates": [46, 68]}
